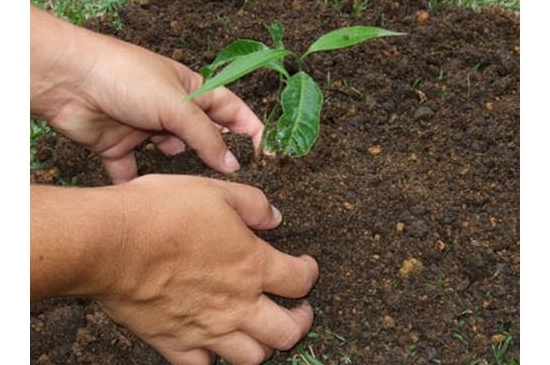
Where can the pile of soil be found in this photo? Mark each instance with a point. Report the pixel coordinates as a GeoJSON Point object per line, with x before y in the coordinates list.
{"type": "Point", "coordinates": [409, 200]}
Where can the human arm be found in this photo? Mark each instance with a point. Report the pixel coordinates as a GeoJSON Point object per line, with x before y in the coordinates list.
{"type": "Point", "coordinates": [172, 258]}
{"type": "Point", "coordinates": [72, 231]}
{"type": "Point", "coordinates": [110, 95]}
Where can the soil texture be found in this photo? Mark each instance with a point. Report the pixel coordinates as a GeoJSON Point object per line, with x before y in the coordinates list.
{"type": "Point", "coordinates": [409, 200]}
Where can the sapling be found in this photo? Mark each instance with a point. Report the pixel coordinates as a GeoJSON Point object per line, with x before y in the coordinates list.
{"type": "Point", "coordinates": [301, 98]}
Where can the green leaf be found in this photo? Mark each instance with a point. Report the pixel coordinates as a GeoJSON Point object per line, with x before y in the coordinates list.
{"type": "Point", "coordinates": [345, 37]}
{"type": "Point", "coordinates": [298, 128]}
{"type": "Point", "coordinates": [238, 68]}
{"type": "Point", "coordinates": [239, 48]}
{"type": "Point", "coordinates": [276, 32]}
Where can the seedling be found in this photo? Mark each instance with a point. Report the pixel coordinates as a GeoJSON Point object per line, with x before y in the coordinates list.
{"type": "Point", "coordinates": [301, 100]}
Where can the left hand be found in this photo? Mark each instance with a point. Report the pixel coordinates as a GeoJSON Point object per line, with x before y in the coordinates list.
{"type": "Point", "coordinates": [110, 95]}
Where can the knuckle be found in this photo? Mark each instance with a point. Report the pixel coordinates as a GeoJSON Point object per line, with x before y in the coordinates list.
{"type": "Point", "coordinates": [263, 204]}
{"type": "Point", "coordinates": [195, 81]}
{"type": "Point", "coordinates": [259, 197]}
{"type": "Point", "coordinates": [223, 303]}
{"type": "Point", "coordinates": [251, 271]}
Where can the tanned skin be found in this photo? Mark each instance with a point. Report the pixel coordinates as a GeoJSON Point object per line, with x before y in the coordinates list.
{"type": "Point", "coordinates": [172, 258]}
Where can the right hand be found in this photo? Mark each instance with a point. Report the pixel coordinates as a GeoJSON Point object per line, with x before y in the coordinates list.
{"type": "Point", "coordinates": [190, 278]}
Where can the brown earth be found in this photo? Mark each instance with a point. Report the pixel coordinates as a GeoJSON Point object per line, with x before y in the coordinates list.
{"type": "Point", "coordinates": [409, 200]}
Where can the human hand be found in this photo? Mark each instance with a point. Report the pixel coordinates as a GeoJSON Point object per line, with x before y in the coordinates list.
{"type": "Point", "coordinates": [110, 95]}
{"type": "Point", "coordinates": [190, 278]}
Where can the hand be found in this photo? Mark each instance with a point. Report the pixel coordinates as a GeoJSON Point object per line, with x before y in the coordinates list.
{"type": "Point", "coordinates": [190, 278]}
{"type": "Point", "coordinates": [110, 95]}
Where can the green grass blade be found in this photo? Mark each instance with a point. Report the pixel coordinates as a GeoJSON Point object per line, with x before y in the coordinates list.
{"type": "Point", "coordinates": [311, 360]}
{"type": "Point", "coordinates": [345, 37]}
{"type": "Point", "coordinates": [298, 128]}
{"type": "Point", "coordinates": [238, 68]}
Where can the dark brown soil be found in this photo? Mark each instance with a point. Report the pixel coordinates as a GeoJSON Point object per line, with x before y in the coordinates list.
{"type": "Point", "coordinates": [409, 200]}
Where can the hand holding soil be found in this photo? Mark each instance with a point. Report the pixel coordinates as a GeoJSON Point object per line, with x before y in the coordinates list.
{"type": "Point", "coordinates": [110, 96]}
{"type": "Point", "coordinates": [170, 257]}
{"type": "Point", "coordinates": [177, 265]}
{"type": "Point", "coordinates": [416, 168]}
{"type": "Point", "coordinates": [198, 288]}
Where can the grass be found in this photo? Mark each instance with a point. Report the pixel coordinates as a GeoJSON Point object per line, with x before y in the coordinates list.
{"type": "Point", "coordinates": [38, 128]}
{"type": "Point", "coordinates": [301, 356]}
{"type": "Point", "coordinates": [304, 356]}
{"type": "Point", "coordinates": [78, 11]}
{"type": "Point", "coordinates": [500, 352]}
{"type": "Point", "coordinates": [476, 5]}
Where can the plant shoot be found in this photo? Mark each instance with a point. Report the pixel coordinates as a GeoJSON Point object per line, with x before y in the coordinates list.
{"type": "Point", "coordinates": [301, 99]}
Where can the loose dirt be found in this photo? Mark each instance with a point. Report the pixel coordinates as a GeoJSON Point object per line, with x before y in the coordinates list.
{"type": "Point", "coordinates": [409, 200]}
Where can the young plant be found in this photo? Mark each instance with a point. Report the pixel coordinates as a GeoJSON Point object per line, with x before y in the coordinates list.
{"type": "Point", "coordinates": [301, 99]}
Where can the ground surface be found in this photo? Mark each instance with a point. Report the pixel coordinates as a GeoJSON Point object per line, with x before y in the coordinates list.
{"type": "Point", "coordinates": [409, 200]}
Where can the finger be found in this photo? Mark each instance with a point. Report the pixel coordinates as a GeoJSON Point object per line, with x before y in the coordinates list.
{"type": "Point", "coordinates": [278, 327]}
{"type": "Point", "coordinates": [251, 204]}
{"type": "Point", "coordinates": [221, 128]}
{"type": "Point", "coordinates": [168, 144]}
{"type": "Point", "coordinates": [239, 348]}
{"type": "Point", "coordinates": [189, 123]}
{"type": "Point", "coordinates": [121, 169]}
{"type": "Point", "coordinates": [227, 109]}
{"type": "Point", "coordinates": [286, 275]}
{"type": "Point", "coordinates": [192, 357]}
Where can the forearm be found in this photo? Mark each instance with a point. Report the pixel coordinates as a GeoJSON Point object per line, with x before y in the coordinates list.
{"type": "Point", "coordinates": [73, 233]}
{"type": "Point", "coordinates": [62, 56]}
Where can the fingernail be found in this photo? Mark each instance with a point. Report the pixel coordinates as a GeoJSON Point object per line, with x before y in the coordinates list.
{"type": "Point", "coordinates": [277, 214]}
{"type": "Point", "coordinates": [230, 161]}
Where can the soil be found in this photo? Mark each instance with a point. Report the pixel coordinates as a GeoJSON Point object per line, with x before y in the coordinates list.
{"type": "Point", "coordinates": [409, 200]}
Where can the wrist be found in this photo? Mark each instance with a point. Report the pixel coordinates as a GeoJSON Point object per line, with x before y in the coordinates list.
{"type": "Point", "coordinates": [75, 233]}
{"type": "Point", "coordinates": [61, 60]}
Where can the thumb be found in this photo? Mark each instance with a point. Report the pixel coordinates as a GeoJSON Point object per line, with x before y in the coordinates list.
{"type": "Point", "coordinates": [192, 125]}
{"type": "Point", "coordinates": [121, 169]}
